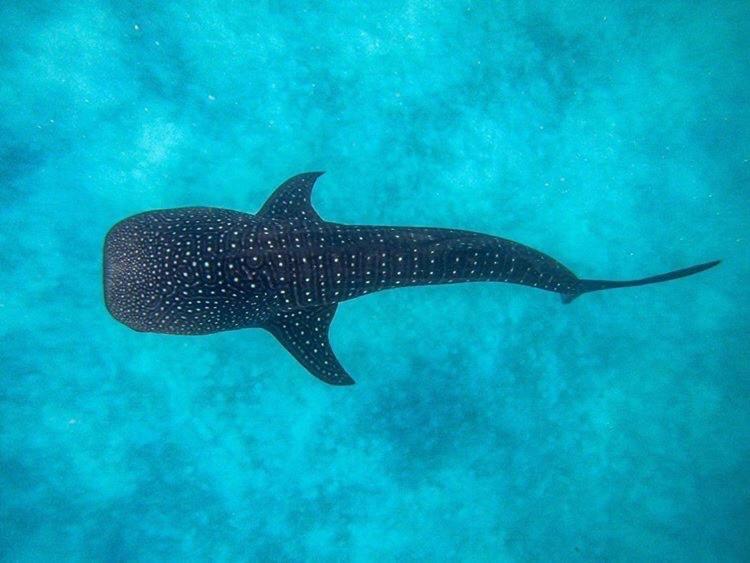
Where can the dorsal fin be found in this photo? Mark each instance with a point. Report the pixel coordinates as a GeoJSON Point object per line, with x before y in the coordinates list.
{"type": "Point", "coordinates": [304, 333]}
{"type": "Point", "coordinates": [292, 199]}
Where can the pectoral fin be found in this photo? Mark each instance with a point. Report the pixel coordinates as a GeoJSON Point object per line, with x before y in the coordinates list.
{"type": "Point", "coordinates": [292, 200]}
{"type": "Point", "coordinates": [305, 334]}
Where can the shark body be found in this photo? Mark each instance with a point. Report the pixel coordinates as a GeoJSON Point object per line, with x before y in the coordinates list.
{"type": "Point", "coordinates": [201, 270]}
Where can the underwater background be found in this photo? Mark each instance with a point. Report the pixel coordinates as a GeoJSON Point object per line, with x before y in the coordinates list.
{"type": "Point", "coordinates": [489, 422]}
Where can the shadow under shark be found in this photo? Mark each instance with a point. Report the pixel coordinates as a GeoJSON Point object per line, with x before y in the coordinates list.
{"type": "Point", "coordinates": [200, 270]}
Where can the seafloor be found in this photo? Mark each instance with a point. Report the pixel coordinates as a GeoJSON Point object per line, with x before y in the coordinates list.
{"type": "Point", "coordinates": [490, 422]}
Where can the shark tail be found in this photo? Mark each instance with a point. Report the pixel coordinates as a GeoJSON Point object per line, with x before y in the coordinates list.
{"type": "Point", "coordinates": [586, 286]}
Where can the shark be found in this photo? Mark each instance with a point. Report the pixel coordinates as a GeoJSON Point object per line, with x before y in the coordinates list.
{"type": "Point", "coordinates": [201, 270]}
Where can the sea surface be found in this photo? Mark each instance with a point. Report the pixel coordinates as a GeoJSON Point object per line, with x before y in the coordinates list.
{"type": "Point", "coordinates": [489, 422]}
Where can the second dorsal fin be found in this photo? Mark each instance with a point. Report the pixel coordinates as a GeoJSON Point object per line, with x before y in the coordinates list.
{"type": "Point", "coordinates": [292, 199]}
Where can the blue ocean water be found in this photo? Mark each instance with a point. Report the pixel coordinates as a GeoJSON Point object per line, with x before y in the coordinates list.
{"type": "Point", "coordinates": [489, 422]}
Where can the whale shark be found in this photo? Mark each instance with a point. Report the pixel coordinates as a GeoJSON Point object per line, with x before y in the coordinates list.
{"type": "Point", "coordinates": [201, 270]}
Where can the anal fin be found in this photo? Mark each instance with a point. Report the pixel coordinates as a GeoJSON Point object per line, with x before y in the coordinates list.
{"type": "Point", "coordinates": [304, 333]}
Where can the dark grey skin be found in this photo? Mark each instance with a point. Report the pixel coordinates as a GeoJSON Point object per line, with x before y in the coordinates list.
{"type": "Point", "coordinates": [201, 270]}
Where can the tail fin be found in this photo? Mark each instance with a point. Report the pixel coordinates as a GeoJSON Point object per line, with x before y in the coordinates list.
{"type": "Point", "coordinates": [585, 286]}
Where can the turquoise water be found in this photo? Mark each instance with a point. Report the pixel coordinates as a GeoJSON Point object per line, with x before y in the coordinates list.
{"type": "Point", "coordinates": [489, 422]}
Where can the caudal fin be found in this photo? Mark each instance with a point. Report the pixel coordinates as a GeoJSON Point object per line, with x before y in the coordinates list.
{"type": "Point", "coordinates": [586, 286]}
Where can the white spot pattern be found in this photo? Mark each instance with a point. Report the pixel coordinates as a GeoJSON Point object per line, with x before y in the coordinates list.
{"type": "Point", "coordinates": [202, 270]}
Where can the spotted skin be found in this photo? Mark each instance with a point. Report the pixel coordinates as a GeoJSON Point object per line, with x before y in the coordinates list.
{"type": "Point", "coordinates": [200, 270]}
